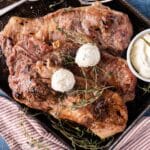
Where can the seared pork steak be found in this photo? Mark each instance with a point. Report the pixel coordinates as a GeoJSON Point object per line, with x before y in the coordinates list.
{"type": "Point", "coordinates": [36, 48]}
{"type": "Point", "coordinates": [100, 109]}
{"type": "Point", "coordinates": [110, 29]}
{"type": "Point", "coordinates": [112, 71]}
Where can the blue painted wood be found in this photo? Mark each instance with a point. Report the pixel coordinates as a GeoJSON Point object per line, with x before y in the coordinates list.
{"type": "Point", "coordinates": [142, 5]}
{"type": "Point", "coordinates": [3, 144]}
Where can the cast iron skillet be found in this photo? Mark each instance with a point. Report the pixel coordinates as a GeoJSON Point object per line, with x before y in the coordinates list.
{"type": "Point", "coordinates": [40, 8]}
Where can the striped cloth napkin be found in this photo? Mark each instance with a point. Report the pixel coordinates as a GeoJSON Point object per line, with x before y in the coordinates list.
{"type": "Point", "coordinates": [138, 137]}
{"type": "Point", "coordinates": [24, 132]}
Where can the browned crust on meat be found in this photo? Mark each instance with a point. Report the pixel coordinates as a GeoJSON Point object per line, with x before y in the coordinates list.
{"type": "Point", "coordinates": [111, 70]}
{"type": "Point", "coordinates": [33, 90]}
{"type": "Point", "coordinates": [110, 29]}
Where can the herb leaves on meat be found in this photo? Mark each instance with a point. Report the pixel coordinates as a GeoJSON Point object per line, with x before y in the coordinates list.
{"type": "Point", "coordinates": [68, 59]}
{"type": "Point", "coordinates": [79, 136]}
{"type": "Point", "coordinates": [96, 93]}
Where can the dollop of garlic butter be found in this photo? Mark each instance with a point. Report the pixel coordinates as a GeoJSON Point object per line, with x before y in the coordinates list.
{"type": "Point", "coordinates": [62, 80]}
{"type": "Point", "coordinates": [87, 55]}
{"type": "Point", "coordinates": [140, 56]}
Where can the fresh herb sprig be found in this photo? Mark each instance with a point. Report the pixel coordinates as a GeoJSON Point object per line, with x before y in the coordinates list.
{"type": "Point", "coordinates": [96, 70]}
{"type": "Point", "coordinates": [67, 59]}
{"type": "Point", "coordinates": [96, 93]}
{"type": "Point", "coordinates": [72, 35]}
{"type": "Point", "coordinates": [145, 89]}
{"type": "Point", "coordinates": [33, 142]}
{"type": "Point", "coordinates": [85, 77]}
{"type": "Point", "coordinates": [56, 3]}
{"type": "Point", "coordinates": [82, 103]}
{"type": "Point", "coordinates": [79, 136]}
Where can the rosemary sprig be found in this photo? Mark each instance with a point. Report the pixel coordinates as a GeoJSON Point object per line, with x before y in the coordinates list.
{"type": "Point", "coordinates": [96, 93]}
{"type": "Point", "coordinates": [83, 103]}
{"type": "Point", "coordinates": [79, 136]}
{"type": "Point", "coordinates": [84, 75]}
{"type": "Point", "coordinates": [68, 59]}
{"type": "Point", "coordinates": [96, 70]}
{"type": "Point", "coordinates": [31, 140]}
{"type": "Point", "coordinates": [56, 3]}
{"type": "Point", "coordinates": [72, 35]}
{"type": "Point", "coordinates": [146, 89]}
{"type": "Point", "coordinates": [81, 91]}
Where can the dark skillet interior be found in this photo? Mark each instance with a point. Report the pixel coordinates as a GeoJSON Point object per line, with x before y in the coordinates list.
{"type": "Point", "coordinates": [41, 8]}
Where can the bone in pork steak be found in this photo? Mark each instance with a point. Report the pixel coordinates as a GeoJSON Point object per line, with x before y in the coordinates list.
{"type": "Point", "coordinates": [31, 64]}
{"type": "Point", "coordinates": [112, 71]}
{"type": "Point", "coordinates": [31, 69]}
{"type": "Point", "coordinates": [108, 28]}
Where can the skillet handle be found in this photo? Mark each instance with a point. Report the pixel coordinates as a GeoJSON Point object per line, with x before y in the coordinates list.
{"type": "Point", "coordinates": [10, 7]}
{"type": "Point", "coordinates": [3, 94]}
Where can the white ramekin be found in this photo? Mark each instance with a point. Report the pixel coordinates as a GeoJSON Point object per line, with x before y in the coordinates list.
{"type": "Point", "coordinates": [131, 67]}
